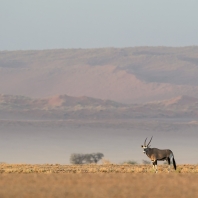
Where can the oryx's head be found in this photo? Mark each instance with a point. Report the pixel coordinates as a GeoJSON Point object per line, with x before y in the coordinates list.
{"type": "Point", "coordinates": [145, 147]}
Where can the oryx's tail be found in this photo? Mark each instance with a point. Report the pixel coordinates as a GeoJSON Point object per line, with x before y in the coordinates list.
{"type": "Point", "coordinates": [174, 163]}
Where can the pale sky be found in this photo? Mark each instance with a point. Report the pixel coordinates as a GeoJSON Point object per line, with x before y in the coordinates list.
{"type": "Point", "coordinates": [54, 24]}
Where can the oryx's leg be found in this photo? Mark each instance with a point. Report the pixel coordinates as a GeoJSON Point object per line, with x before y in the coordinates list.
{"type": "Point", "coordinates": [168, 160]}
{"type": "Point", "coordinates": [155, 165]}
{"type": "Point", "coordinates": [153, 162]}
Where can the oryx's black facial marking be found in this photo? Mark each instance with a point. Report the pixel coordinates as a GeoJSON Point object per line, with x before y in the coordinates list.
{"type": "Point", "coordinates": [145, 148]}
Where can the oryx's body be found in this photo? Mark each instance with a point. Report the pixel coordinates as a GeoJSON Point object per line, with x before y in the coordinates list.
{"type": "Point", "coordinates": [158, 155]}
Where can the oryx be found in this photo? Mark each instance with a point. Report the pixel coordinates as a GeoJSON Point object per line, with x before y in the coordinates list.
{"type": "Point", "coordinates": [156, 154]}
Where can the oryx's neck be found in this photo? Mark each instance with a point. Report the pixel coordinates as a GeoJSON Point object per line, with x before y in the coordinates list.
{"type": "Point", "coordinates": [149, 152]}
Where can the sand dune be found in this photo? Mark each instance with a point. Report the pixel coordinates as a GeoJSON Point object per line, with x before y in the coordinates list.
{"type": "Point", "coordinates": [64, 107]}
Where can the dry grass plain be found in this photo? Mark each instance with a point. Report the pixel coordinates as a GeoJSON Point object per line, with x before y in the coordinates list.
{"type": "Point", "coordinates": [92, 168]}
{"type": "Point", "coordinates": [109, 180]}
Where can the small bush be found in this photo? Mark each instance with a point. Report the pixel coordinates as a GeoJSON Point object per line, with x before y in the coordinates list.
{"type": "Point", "coordinates": [146, 162]}
{"type": "Point", "coordinates": [130, 162]}
{"type": "Point", "coordinates": [106, 161]}
{"type": "Point", "coordinates": [77, 158]}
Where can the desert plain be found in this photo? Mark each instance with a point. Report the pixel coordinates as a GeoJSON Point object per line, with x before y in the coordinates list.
{"type": "Point", "coordinates": [106, 180]}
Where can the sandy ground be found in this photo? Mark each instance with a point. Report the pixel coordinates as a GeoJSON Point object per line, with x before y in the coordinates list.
{"type": "Point", "coordinates": [98, 185]}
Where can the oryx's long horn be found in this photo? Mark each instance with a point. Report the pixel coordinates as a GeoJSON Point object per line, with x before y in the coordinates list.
{"type": "Point", "coordinates": [145, 142]}
{"type": "Point", "coordinates": [150, 141]}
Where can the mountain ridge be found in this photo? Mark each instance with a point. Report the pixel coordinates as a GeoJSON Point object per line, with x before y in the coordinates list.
{"type": "Point", "coordinates": [69, 107]}
{"type": "Point", "coordinates": [126, 75]}
{"type": "Point", "coordinates": [182, 100]}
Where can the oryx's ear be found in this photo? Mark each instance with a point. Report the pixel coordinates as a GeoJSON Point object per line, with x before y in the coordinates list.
{"type": "Point", "coordinates": [142, 146]}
